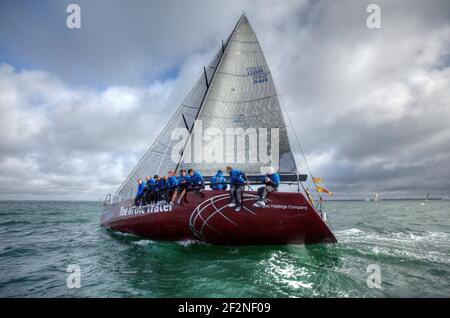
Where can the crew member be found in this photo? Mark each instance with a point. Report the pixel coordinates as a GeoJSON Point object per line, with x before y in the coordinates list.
{"type": "Point", "coordinates": [149, 190]}
{"type": "Point", "coordinates": [218, 181]}
{"type": "Point", "coordinates": [162, 186]}
{"type": "Point", "coordinates": [196, 182]}
{"type": "Point", "coordinates": [183, 186]}
{"type": "Point", "coordinates": [238, 179]}
{"type": "Point", "coordinates": [172, 187]}
{"type": "Point", "coordinates": [272, 181]}
{"type": "Point", "coordinates": [139, 192]}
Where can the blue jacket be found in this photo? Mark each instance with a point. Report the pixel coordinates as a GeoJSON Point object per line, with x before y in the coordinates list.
{"type": "Point", "coordinates": [275, 178]}
{"type": "Point", "coordinates": [237, 177]}
{"type": "Point", "coordinates": [184, 180]}
{"type": "Point", "coordinates": [172, 182]}
{"type": "Point", "coordinates": [140, 189]}
{"type": "Point", "coordinates": [196, 178]}
{"type": "Point", "coordinates": [150, 185]}
{"type": "Point", "coordinates": [218, 182]}
{"type": "Point", "coordinates": [161, 184]}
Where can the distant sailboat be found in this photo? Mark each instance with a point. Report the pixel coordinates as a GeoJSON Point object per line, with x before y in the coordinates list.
{"type": "Point", "coordinates": [427, 197]}
{"type": "Point", "coordinates": [445, 198]}
{"type": "Point", "coordinates": [236, 90]}
{"type": "Point", "coordinates": [377, 197]}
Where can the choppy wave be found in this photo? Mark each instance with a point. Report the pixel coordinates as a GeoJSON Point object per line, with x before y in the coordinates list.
{"type": "Point", "coordinates": [412, 245]}
{"type": "Point", "coordinates": [144, 242]}
{"type": "Point", "coordinates": [189, 243]}
{"type": "Point", "coordinates": [354, 233]}
{"type": "Point", "coordinates": [13, 222]}
{"type": "Point", "coordinates": [39, 242]}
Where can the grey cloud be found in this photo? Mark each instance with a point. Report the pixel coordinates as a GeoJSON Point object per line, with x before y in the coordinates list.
{"type": "Point", "coordinates": [373, 102]}
{"type": "Point", "coordinates": [118, 43]}
{"type": "Point", "coordinates": [370, 106]}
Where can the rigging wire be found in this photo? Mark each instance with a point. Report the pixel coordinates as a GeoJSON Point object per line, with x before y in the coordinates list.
{"type": "Point", "coordinates": [177, 112]}
{"type": "Point", "coordinates": [300, 146]}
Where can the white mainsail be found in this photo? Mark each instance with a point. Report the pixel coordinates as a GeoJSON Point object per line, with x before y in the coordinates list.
{"type": "Point", "coordinates": [236, 90]}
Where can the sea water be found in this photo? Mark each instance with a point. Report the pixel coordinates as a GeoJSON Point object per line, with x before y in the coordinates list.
{"type": "Point", "coordinates": [407, 241]}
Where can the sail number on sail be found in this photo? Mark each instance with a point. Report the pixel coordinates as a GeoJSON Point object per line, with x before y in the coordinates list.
{"type": "Point", "coordinates": [257, 73]}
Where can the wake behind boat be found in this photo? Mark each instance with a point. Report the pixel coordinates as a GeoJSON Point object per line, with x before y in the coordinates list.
{"type": "Point", "coordinates": [235, 92]}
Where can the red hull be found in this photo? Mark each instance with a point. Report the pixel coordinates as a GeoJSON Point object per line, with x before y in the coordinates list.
{"type": "Point", "coordinates": [288, 218]}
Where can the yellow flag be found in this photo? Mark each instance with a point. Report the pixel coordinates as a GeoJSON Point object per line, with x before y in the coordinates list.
{"type": "Point", "coordinates": [317, 180]}
{"type": "Point", "coordinates": [321, 189]}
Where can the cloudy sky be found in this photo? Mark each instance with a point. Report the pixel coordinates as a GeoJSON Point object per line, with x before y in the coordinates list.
{"type": "Point", "coordinates": [79, 107]}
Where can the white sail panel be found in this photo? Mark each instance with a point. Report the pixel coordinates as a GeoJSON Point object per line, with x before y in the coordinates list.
{"type": "Point", "coordinates": [242, 95]}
